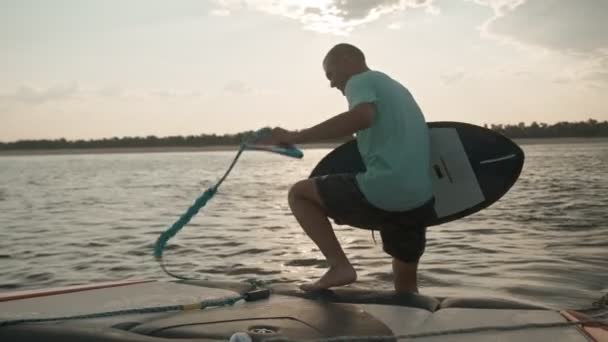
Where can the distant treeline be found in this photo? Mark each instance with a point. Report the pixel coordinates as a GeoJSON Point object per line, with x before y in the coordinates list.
{"type": "Point", "coordinates": [149, 141]}
{"type": "Point", "coordinates": [589, 128]}
{"type": "Point", "coordinates": [582, 129]}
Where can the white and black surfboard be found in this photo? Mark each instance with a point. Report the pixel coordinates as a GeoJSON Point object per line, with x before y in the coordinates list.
{"type": "Point", "coordinates": [472, 167]}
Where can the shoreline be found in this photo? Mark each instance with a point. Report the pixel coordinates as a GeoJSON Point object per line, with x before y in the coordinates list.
{"type": "Point", "coordinates": [156, 149]}
{"type": "Point", "coordinates": [218, 148]}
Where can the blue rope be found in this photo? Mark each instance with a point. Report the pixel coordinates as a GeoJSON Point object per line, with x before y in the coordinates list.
{"type": "Point", "coordinates": [202, 200]}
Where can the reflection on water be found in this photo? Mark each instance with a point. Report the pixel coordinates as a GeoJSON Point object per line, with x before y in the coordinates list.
{"type": "Point", "coordinates": [82, 218]}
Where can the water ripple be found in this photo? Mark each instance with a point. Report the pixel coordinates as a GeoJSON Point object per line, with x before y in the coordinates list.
{"type": "Point", "coordinates": [85, 218]}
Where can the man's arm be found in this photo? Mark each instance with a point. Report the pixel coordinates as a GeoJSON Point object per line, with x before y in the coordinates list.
{"type": "Point", "coordinates": [341, 125]}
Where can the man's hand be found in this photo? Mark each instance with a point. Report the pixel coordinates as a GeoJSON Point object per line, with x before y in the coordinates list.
{"type": "Point", "coordinates": [342, 125]}
{"type": "Point", "coordinates": [278, 137]}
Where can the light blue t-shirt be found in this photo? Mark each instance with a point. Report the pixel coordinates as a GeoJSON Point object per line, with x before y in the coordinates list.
{"type": "Point", "coordinates": [396, 148]}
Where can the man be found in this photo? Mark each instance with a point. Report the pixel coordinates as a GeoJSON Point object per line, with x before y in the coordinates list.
{"type": "Point", "coordinates": [393, 195]}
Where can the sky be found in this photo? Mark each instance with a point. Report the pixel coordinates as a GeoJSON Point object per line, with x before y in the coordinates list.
{"type": "Point", "coordinates": [86, 69]}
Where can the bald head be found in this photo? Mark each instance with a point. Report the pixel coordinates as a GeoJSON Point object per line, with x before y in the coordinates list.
{"type": "Point", "coordinates": [345, 51]}
{"type": "Point", "coordinates": [341, 63]}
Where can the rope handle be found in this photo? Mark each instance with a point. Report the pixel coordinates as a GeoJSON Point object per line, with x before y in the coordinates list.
{"type": "Point", "coordinates": [202, 200]}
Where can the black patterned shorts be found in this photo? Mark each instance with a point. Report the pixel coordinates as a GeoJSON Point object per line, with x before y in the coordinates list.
{"type": "Point", "coordinates": [403, 233]}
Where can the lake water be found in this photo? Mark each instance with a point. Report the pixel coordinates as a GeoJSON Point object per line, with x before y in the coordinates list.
{"type": "Point", "coordinates": [69, 219]}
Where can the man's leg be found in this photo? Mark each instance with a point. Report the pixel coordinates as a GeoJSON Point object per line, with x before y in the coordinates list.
{"type": "Point", "coordinates": [405, 276]}
{"type": "Point", "coordinates": [307, 207]}
{"type": "Point", "coordinates": [406, 245]}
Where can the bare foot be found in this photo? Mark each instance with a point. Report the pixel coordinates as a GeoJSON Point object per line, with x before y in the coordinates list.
{"type": "Point", "coordinates": [335, 276]}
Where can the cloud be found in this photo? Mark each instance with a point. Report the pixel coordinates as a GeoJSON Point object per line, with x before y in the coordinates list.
{"type": "Point", "coordinates": [592, 71]}
{"type": "Point", "coordinates": [451, 77]}
{"type": "Point", "coordinates": [328, 16]}
{"type": "Point", "coordinates": [33, 96]}
{"type": "Point", "coordinates": [394, 26]}
{"type": "Point", "coordinates": [237, 87]}
{"type": "Point", "coordinates": [599, 71]}
{"type": "Point", "coordinates": [174, 94]}
{"type": "Point", "coordinates": [38, 96]}
{"type": "Point", "coordinates": [573, 28]}
{"type": "Point", "coordinates": [111, 91]}
{"type": "Point", "coordinates": [565, 25]}
{"type": "Point", "coordinates": [220, 12]}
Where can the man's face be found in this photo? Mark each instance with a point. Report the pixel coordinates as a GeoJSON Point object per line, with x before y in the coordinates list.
{"type": "Point", "coordinates": [336, 73]}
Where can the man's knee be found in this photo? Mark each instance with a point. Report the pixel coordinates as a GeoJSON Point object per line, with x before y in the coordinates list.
{"type": "Point", "coordinates": [295, 192]}
{"type": "Point", "coordinates": [303, 190]}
